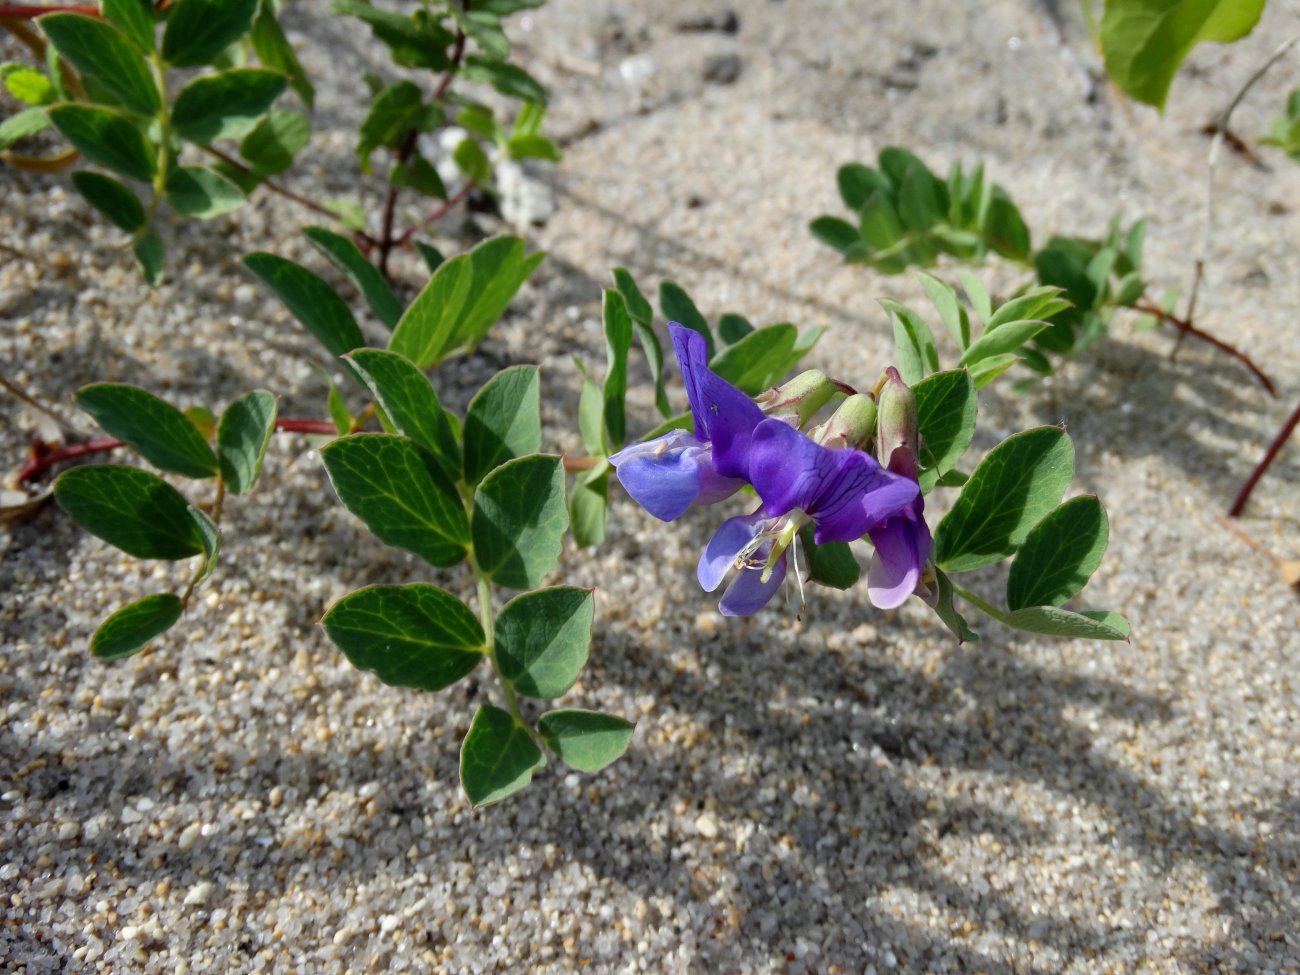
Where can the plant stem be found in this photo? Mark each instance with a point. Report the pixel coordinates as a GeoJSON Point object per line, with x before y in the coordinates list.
{"type": "Point", "coordinates": [1187, 328]}
{"type": "Point", "coordinates": [22, 11]}
{"type": "Point", "coordinates": [1270, 455]}
{"type": "Point", "coordinates": [487, 618]}
{"type": "Point", "coordinates": [436, 214]}
{"type": "Point", "coordinates": [978, 603]}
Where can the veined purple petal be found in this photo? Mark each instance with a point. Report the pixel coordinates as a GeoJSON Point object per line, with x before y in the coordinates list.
{"type": "Point", "coordinates": [748, 593]}
{"type": "Point", "coordinates": [670, 473]}
{"type": "Point", "coordinates": [844, 491]}
{"type": "Point", "coordinates": [902, 548]}
{"type": "Point", "coordinates": [724, 416]}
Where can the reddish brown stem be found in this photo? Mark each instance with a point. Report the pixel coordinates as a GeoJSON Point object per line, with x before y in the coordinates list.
{"type": "Point", "coordinates": [1270, 455]}
{"type": "Point", "coordinates": [44, 457]}
{"type": "Point", "coordinates": [405, 239]}
{"type": "Point", "coordinates": [22, 11]}
{"type": "Point", "coordinates": [1187, 328]}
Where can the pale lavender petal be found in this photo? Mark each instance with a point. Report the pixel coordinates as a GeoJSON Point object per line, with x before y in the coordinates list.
{"type": "Point", "coordinates": [670, 473]}
{"type": "Point", "coordinates": [731, 538]}
{"type": "Point", "coordinates": [748, 593]}
{"type": "Point", "coordinates": [902, 548]}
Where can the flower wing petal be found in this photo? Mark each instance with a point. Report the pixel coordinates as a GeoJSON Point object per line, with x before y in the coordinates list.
{"type": "Point", "coordinates": [732, 537]}
{"type": "Point", "coordinates": [902, 548]}
{"type": "Point", "coordinates": [748, 593]}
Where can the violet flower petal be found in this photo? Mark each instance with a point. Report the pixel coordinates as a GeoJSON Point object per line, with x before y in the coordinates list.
{"type": "Point", "coordinates": [724, 416]}
{"type": "Point", "coordinates": [670, 473]}
{"type": "Point", "coordinates": [748, 593]}
{"type": "Point", "coordinates": [902, 547]}
{"type": "Point", "coordinates": [720, 554]}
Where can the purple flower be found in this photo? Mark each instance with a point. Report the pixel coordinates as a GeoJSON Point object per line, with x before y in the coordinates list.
{"type": "Point", "coordinates": [670, 473]}
{"type": "Point", "coordinates": [843, 493]}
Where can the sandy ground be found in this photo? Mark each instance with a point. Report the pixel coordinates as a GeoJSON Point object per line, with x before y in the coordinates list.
{"type": "Point", "coordinates": [849, 793]}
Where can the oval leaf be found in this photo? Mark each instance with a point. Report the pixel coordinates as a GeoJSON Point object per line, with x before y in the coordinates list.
{"type": "Point", "coordinates": [519, 521]}
{"type": "Point", "coordinates": [945, 412]}
{"type": "Point", "coordinates": [311, 300]}
{"type": "Point", "coordinates": [199, 191]}
{"type": "Point", "coordinates": [503, 421]}
{"type": "Point", "coordinates": [1059, 555]}
{"type": "Point", "coordinates": [131, 509]}
{"type": "Point", "coordinates": [409, 636]}
{"type": "Point", "coordinates": [365, 277]}
{"type": "Point", "coordinates": [541, 639]}
{"type": "Point", "coordinates": [110, 197]}
{"type": "Point", "coordinates": [398, 491]}
{"type": "Point", "coordinates": [242, 436]}
{"type": "Point", "coordinates": [107, 138]}
{"type": "Point", "coordinates": [131, 628]}
{"type": "Point", "coordinates": [498, 757]}
{"type": "Point", "coordinates": [100, 51]}
{"type": "Point", "coordinates": [225, 105]}
{"type": "Point", "coordinates": [157, 430]}
{"type": "Point", "coordinates": [410, 404]}
{"type": "Point", "coordinates": [585, 740]}
{"type": "Point", "coordinates": [132, 18]}
{"type": "Point", "coordinates": [1019, 481]}
{"type": "Point", "coordinates": [1053, 621]}
{"type": "Point", "coordinates": [199, 30]}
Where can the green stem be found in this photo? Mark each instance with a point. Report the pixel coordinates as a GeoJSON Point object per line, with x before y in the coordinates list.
{"type": "Point", "coordinates": [978, 603]}
{"type": "Point", "coordinates": [488, 620]}
{"type": "Point", "coordinates": [164, 141]}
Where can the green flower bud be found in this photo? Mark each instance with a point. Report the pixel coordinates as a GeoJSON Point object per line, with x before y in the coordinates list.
{"type": "Point", "coordinates": [897, 438]}
{"type": "Point", "coordinates": [849, 426]}
{"type": "Point", "coordinates": [803, 395]}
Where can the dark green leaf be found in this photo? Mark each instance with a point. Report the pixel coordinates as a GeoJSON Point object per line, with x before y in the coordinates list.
{"type": "Point", "coordinates": [99, 50]}
{"type": "Point", "coordinates": [411, 405]}
{"type": "Point", "coordinates": [311, 300]}
{"type": "Point", "coordinates": [585, 740]}
{"type": "Point", "coordinates": [917, 356]}
{"type": "Point", "coordinates": [1019, 481]}
{"type": "Point", "coordinates": [760, 360]}
{"type": "Point", "coordinates": [945, 409]}
{"type": "Point", "coordinates": [541, 640]}
{"type": "Point", "coordinates": [364, 276]}
{"type": "Point", "coordinates": [225, 105]}
{"type": "Point", "coordinates": [677, 307]}
{"type": "Point", "coordinates": [638, 305]}
{"type": "Point", "coordinates": [498, 757]}
{"type": "Point", "coordinates": [509, 79]}
{"type": "Point", "coordinates": [831, 564]}
{"type": "Point", "coordinates": [642, 317]}
{"type": "Point", "coordinates": [503, 422]}
{"type": "Point", "coordinates": [131, 628]}
{"type": "Point", "coordinates": [275, 51]}
{"type": "Point", "coordinates": [1005, 229]}
{"type": "Point", "coordinates": [416, 41]}
{"type": "Point", "coordinates": [1059, 555]}
{"type": "Point", "coordinates": [108, 138]}
{"type": "Point", "coordinates": [271, 146]}
{"type": "Point", "coordinates": [158, 431]}
{"type": "Point", "coordinates": [417, 173]}
{"type": "Point", "coordinates": [200, 191]}
{"type": "Point", "coordinates": [618, 340]}
{"type": "Point", "coordinates": [392, 115]}
{"type": "Point", "coordinates": [198, 31]}
{"type": "Point", "coordinates": [431, 256]}
{"type": "Point", "coordinates": [519, 521]}
{"type": "Point", "coordinates": [242, 437]}
{"type": "Point", "coordinates": [1061, 622]}
{"type": "Point", "coordinates": [857, 182]}
{"type": "Point", "coordinates": [111, 198]}
{"type": "Point", "coordinates": [397, 489]}
{"type": "Point", "coordinates": [132, 18]}
{"type": "Point", "coordinates": [149, 252]}
{"type": "Point", "coordinates": [837, 233]}
{"type": "Point", "coordinates": [732, 327]}
{"type": "Point", "coordinates": [408, 636]}
{"type": "Point", "coordinates": [131, 509]}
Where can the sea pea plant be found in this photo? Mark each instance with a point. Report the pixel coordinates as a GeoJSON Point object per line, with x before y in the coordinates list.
{"type": "Point", "coordinates": [165, 100]}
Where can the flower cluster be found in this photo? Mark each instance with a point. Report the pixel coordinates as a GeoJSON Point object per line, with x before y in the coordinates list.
{"type": "Point", "coordinates": [824, 478]}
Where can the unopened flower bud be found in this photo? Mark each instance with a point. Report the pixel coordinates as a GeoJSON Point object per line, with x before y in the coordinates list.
{"type": "Point", "coordinates": [803, 395]}
{"type": "Point", "coordinates": [849, 426]}
{"type": "Point", "coordinates": [897, 438]}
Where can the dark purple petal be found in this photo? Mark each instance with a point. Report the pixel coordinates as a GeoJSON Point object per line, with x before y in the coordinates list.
{"type": "Point", "coordinates": [670, 473]}
{"type": "Point", "coordinates": [902, 548]}
{"type": "Point", "coordinates": [748, 593]}
{"type": "Point", "coordinates": [731, 538]}
{"type": "Point", "coordinates": [844, 491]}
{"type": "Point", "coordinates": [724, 416]}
